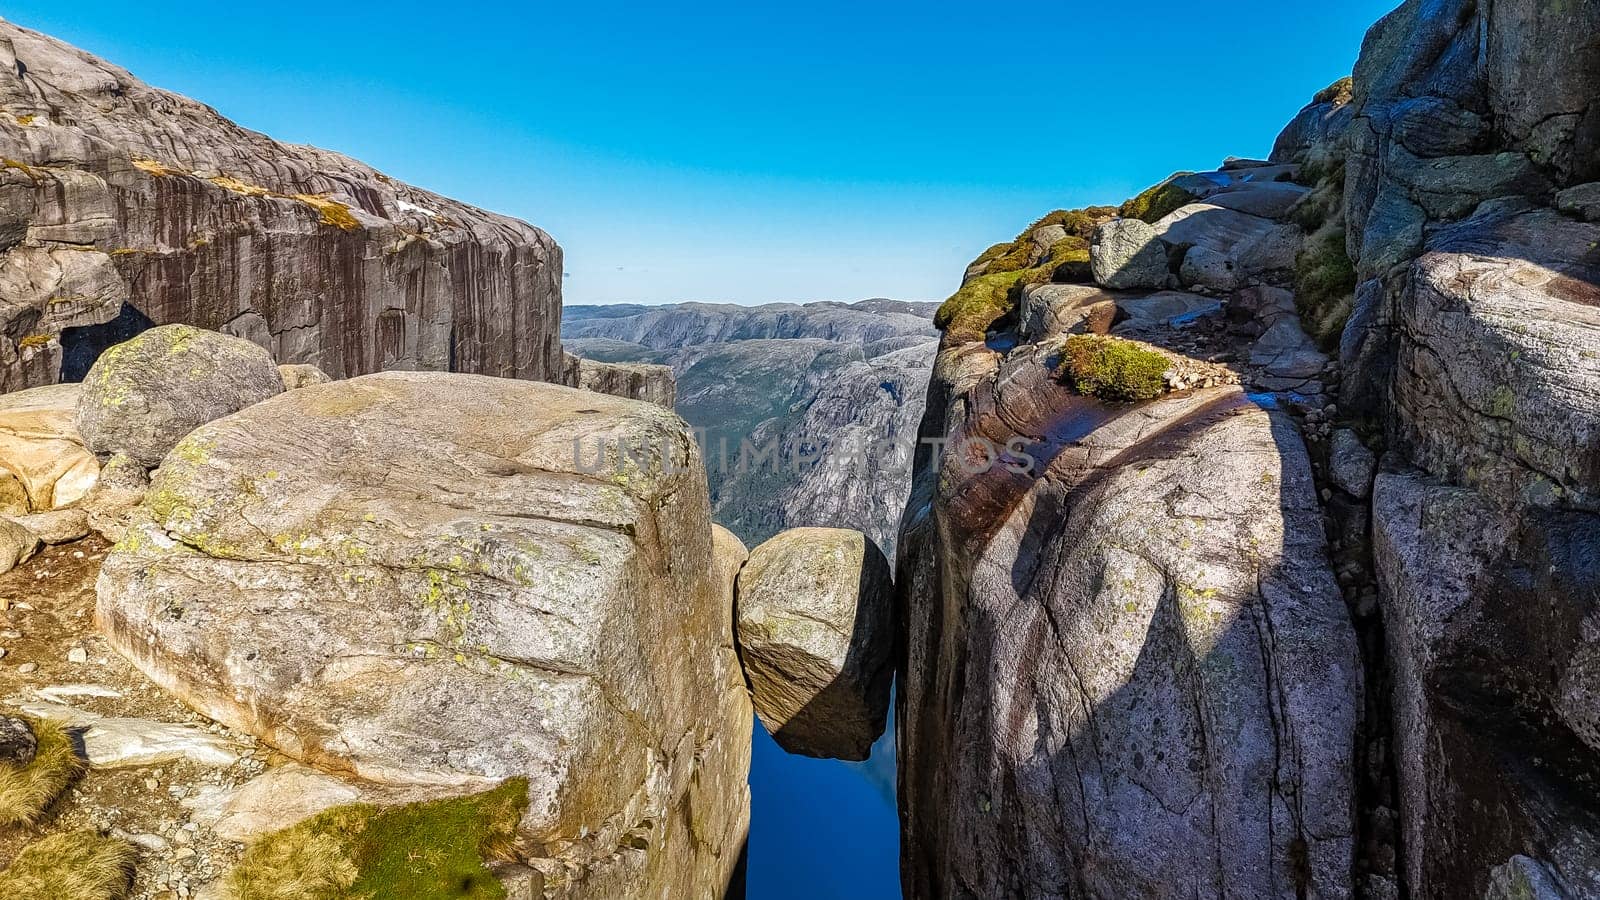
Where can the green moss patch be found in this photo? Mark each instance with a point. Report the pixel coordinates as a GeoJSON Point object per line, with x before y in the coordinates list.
{"type": "Point", "coordinates": [1158, 202]}
{"type": "Point", "coordinates": [975, 308]}
{"type": "Point", "coordinates": [1325, 284]}
{"type": "Point", "coordinates": [989, 297]}
{"type": "Point", "coordinates": [1112, 368]}
{"type": "Point", "coordinates": [27, 791]}
{"type": "Point", "coordinates": [1339, 93]}
{"type": "Point", "coordinates": [78, 865]}
{"type": "Point", "coordinates": [1324, 276]}
{"type": "Point", "coordinates": [424, 850]}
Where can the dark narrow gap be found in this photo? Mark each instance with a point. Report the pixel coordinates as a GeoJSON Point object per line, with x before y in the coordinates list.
{"type": "Point", "coordinates": [1378, 850]}
{"type": "Point", "coordinates": [82, 345]}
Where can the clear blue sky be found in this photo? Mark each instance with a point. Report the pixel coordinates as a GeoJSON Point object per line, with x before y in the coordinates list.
{"type": "Point", "coordinates": [741, 152]}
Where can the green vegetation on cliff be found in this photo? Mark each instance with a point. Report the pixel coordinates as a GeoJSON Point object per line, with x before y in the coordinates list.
{"type": "Point", "coordinates": [1112, 368]}
{"type": "Point", "coordinates": [1324, 276]}
{"type": "Point", "coordinates": [435, 850]}
{"type": "Point", "coordinates": [1004, 270]}
{"type": "Point", "coordinates": [1158, 202]}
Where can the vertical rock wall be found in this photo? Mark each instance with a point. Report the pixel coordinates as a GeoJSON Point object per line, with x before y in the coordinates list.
{"type": "Point", "coordinates": [122, 205]}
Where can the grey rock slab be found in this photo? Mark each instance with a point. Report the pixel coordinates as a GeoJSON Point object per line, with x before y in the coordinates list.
{"type": "Point", "coordinates": [1582, 201]}
{"type": "Point", "coordinates": [116, 742]}
{"type": "Point", "coordinates": [1050, 309]}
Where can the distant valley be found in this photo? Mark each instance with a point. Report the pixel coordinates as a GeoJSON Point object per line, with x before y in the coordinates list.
{"type": "Point", "coordinates": [837, 388]}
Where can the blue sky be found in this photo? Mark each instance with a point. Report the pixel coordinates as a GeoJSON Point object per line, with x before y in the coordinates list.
{"type": "Point", "coordinates": [743, 152]}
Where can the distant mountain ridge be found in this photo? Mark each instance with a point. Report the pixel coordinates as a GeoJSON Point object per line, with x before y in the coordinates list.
{"type": "Point", "coordinates": [684, 324]}
{"type": "Point", "coordinates": [820, 382]}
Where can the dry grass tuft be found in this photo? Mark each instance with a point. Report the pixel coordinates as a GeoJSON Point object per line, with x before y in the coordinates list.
{"type": "Point", "coordinates": [332, 212]}
{"type": "Point", "coordinates": [26, 792]}
{"type": "Point", "coordinates": [155, 168]}
{"type": "Point", "coordinates": [77, 865]}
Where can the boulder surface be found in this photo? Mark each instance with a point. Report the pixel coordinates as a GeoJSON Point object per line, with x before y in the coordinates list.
{"type": "Point", "coordinates": [144, 395]}
{"type": "Point", "coordinates": [816, 633]}
{"type": "Point", "coordinates": [410, 578]}
{"type": "Point", "coordinates": [43, 462]}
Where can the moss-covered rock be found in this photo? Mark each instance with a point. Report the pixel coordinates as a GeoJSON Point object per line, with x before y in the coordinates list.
{"type": "Point", "coordinates": [143, 395]}
{"type": "Point", "coordinates": [1112, 368]}
{"type": "Point", "coordinates": [1157, 202]}
{"type": "Point", "coordinates": [991, 295]}
{"type": "Point", "coordinates": [973, 309]}
{"type": "Point", "coordinates": [1339, 93]}
{"type": "Point", "coordinates": [433, 850]}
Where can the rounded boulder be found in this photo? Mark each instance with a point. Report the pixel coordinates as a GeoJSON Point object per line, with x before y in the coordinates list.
{"type": "Point", "coordinates": [144, 395]}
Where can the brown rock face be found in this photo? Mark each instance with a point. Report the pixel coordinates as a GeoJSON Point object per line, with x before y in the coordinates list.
{"type": "Point", "coordinates": [122, 205]}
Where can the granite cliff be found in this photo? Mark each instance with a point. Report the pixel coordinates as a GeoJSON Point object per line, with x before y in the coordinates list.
{"type": "Point", "coordinates": [123, 206]}
{"type": "Point", "coordinates": [1263, 556]}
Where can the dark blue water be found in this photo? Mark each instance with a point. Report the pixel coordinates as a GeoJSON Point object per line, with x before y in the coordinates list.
{"type": "Point", "coordinates": [821, 829]}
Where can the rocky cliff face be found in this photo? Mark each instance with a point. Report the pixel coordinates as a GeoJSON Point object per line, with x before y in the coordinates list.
{"type": "Point", "coordinates": [1329, 636]}
{"type": "Point", "coordinates": [831, 392]}
{"type": "Point", "coordinates": [122, 205]}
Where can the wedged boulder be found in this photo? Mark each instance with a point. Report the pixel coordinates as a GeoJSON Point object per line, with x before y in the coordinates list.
{"type": "Point", "coordinates": [816, 634]}
{"type": "Point", "coordinates": [1498, 384]}
{"type": "Point", "coordinates": [436, 581]}
{"type": "Point", "coordinates": [1492, 620]}
{"type": "Point", "coordinates": [142, 396]}
{"type": "Point", "coordinates": [1127, 253]}
{"type": "Point", "coordinates": [1112, 645]}
{"type": "Point", "coordinates": [43, 462]}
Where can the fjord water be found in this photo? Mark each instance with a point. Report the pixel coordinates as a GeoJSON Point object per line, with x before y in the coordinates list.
{"type": "Point", "coordinates": [821, 829]}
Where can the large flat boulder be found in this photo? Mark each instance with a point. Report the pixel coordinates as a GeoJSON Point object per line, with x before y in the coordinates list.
{"type": "Point", "coordinates": [431, 580]}
{"type": "Point", "coordinates": [816, 633]}
{"type": "Point", "coordinates": [44, 464]}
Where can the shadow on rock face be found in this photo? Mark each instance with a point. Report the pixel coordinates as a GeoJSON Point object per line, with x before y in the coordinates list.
{"type": "Point", "coordinates": [1137, 673]}
{"type": "Point", "coordinates": [82, 345]}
